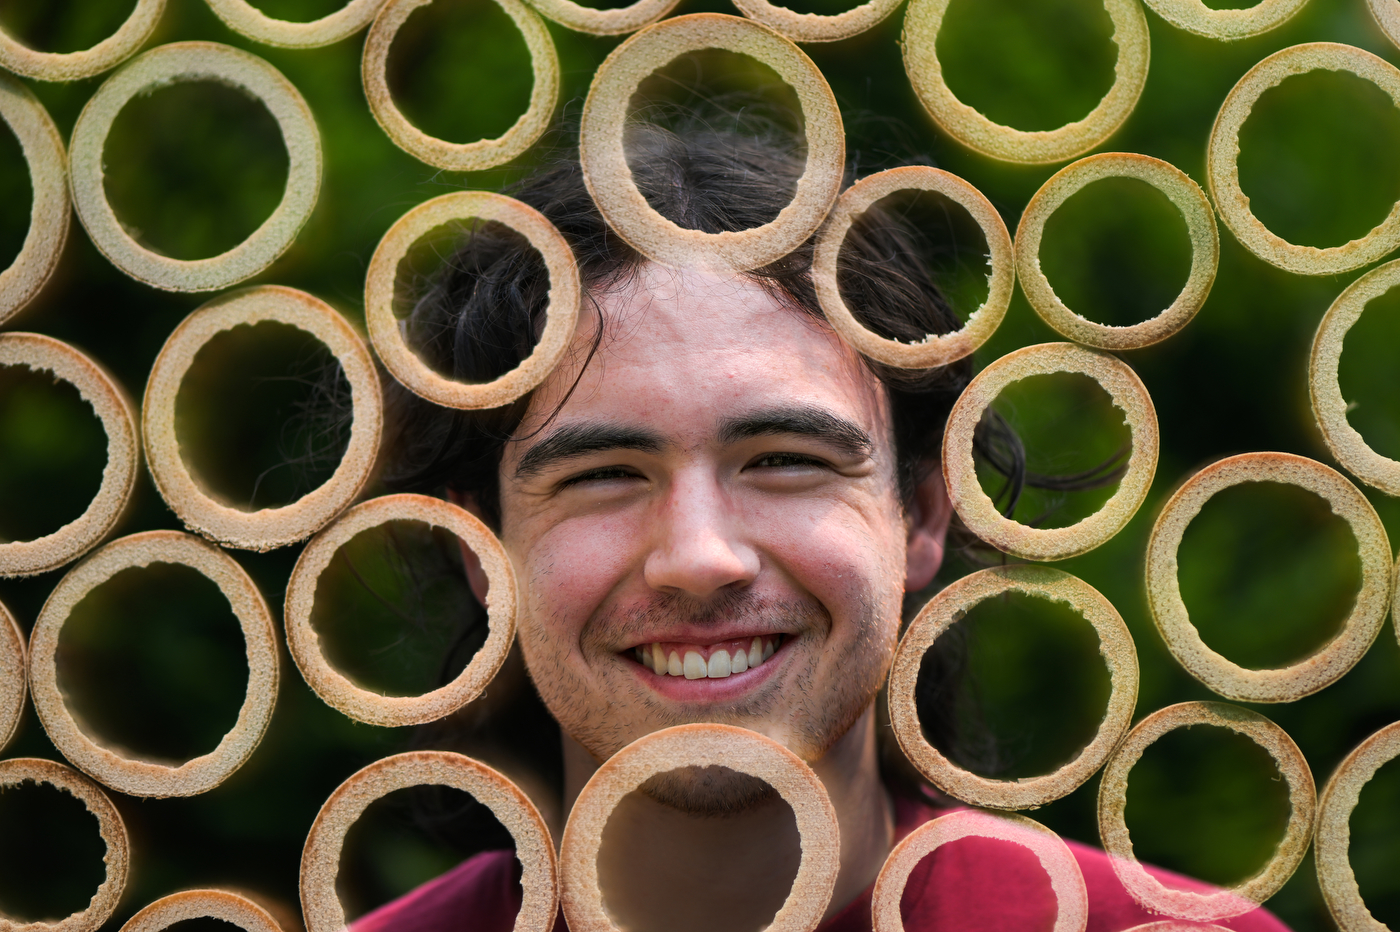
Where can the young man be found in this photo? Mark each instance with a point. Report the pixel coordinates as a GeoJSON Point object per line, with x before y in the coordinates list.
{"type": "Point", "coordinates": [715, 509]}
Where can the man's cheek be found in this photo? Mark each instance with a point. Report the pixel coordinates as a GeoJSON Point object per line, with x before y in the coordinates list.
{"type": "Point", "coordinates": [571, 571]}
{"type": "Point", "coordinates": [835, 554]}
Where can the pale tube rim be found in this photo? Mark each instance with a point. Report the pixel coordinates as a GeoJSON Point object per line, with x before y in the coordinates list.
{"type": "Point", "coordinates": [464, 156]}
{"type": "Point", "coordinates": [320, 858]}
{"type": "Point", "coordinates": [1323, 667]}
{"type": "Point", "coordinates": [977, 510]}
{"type": "Point", "coordinates": [119, 422]}
{"type": "Point", "coordinates": [1339, 798]}
{"type": "Point", "coordinates": [1223, 149]}
{"type": "Point", "coordinates": [196, 61]}
{"type": "Point", "coordinates": [1066, 878]}
{"type": "Point", "coordinates": [386, 332]}
{"type": "Point", "coordinates": [335, 688]}
{"type": "Point", "coordinates": [1184, 194]}
{"type": "Point", "coordinates": [922, 22]}
{"type": "Point", "coordinates": [111, 828]}
{"type": "Point", "coordinates": [701, 745]}
{"type": "Point", "coordinates": [50, 209]}
{"type": "Point", "coordinates": [265, 528]}
{"type": "Point", "coordinates": [73, 66]}
{"type": "Point", "coordinates": [945, 610]}
{"type": "Point", "coordinates": [248, 21]}
{"type": "Point", "coordinates": [134, 776]}
{"type": "Point", "coordinates": [935, 349]}
{"type": "Point", "coordinates": [609, 179]}
{"type": "Point", "coordinates": [1151, 893]}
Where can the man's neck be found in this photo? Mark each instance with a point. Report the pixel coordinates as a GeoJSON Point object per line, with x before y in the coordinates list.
{"type": "Point", "coordinates": [661, 868]}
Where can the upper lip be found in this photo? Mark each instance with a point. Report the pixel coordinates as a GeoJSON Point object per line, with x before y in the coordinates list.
{"type": "Point", "coordinates": [704, 635]}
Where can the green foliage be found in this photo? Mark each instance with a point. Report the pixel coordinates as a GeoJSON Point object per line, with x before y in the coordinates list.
{"type": "Point", "coordinates": [1068, 425]}
{"type": "Point", "coordinates": [996, 58]}
{"type": "Point", "coordinates": [1268, 573]}
{"type": "Point", "coordinates": [55, 453]}
{"type": "Point", "coordinates": [1367, 374]}
{"type": "Point", "coordinates": [389, 607]}
{"type": "Point", "coordinates": [184, 186]}
{"type": "Point", "coordinates": [258, 418]}
{"type": "Point", "coordinates": [1304, 145]}
{"type": "Point", "coordinates": [1207, 802]}
{"type": "Point", "coordinates": [1036, 681]}
{"type": "Point", "coordinates": [52, 856]}
{"type": "Point", "coordinates": [1117, 252]}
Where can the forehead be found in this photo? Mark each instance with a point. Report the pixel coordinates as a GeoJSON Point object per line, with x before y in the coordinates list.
{"type": "Point", "coordinates": [683, 350]}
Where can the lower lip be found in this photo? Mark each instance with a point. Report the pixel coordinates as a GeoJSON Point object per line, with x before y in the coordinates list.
{"type": "Point", "coordinates": [704, 689]}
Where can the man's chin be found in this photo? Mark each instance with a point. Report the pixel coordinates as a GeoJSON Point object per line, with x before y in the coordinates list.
{"type": "Point", "coordinates": [709, 792]}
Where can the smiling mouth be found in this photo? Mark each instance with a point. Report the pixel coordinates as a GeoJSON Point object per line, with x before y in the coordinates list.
{"type": "Point", "coordinates": [701, 661]}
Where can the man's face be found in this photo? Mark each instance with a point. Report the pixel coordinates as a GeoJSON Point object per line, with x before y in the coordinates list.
{"type": "Point", "coordinates": [717, 496]}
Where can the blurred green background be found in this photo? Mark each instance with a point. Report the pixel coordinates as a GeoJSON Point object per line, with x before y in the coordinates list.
{"type": "Point", "coordinates": [153, 660]}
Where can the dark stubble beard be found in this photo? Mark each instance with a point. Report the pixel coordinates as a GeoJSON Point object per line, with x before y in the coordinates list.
{"type": "Point", "coordinates": [816, 722]}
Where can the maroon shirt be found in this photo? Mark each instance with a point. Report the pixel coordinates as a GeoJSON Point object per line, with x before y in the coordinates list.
{"type": "Point", "coordinates": [974, 885]}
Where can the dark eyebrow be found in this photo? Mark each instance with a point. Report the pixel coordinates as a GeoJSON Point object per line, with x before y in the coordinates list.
{"type": "Point", "coordinates": [575, 440]}
{"type": "Point", "coordinates": [803, 421]}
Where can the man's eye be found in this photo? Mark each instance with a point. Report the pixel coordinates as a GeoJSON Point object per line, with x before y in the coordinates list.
{"type": "Point", "coordinates": [602, 474]}
{"type": "Point", "coordinates": [781, 460]}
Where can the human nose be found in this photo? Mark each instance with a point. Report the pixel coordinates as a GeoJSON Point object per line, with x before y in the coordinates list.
{"type": "Point", "coordinates": [698, 547]}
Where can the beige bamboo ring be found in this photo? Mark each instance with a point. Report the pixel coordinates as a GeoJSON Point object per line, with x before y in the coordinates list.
{"type": "Point", "coordinates": [1339, 799]}
{"type": "Point", "coordinates": [1066, 879]}
{"type": "Point", "coordinates": [950, 606]}
{"type": "Point", "coordinates": [196, 61]}
{"type": "Point", "coordinates": [266, 528]}
{"type": "Point", "coordinates": [116, 858]}
{"type": "Point", "coordinates": [14, 680]}
{"type": "Point", "coordinates": [334, 687]}
{"type": "Point", "coordinates": [1184, 194]}
{"type": "Point", "coordinates": [223, 905]}
{"type": "Point", "coordinates": [45, 354]}
{"type": "Point", "coordinates": [609, 179]}
{"type": "Point", "coordinates": [701, 745]}
{"type": "Point", "coordinates": [48, 213]}
{"type": "Point", "coordinates": [1226, 25]}
{"type": "Point", "coordinates": [935, 349]}
{"type": "Point", "coordinates": [468, 156]}
{"type": "Point", "coordinates": [977, 510]}
{"type": "Point", "coordinates": [320, 859]}
{"type": "Point", "coordinates": [561, 317]}
{"type": "Point", "coordinates": [73, 66]}
{"type": "Point", "coordinates": [597, 22]}
{"type": "Point", "coordinates": [1223, 150]}
{"type": "Point", "coordinates": [1150, 892]}
{"type": "Point", "coordinates": [922, 22]}
{"type": "Point", "coordinates": [1176, 925]}
{"type": "Point", "coordinates": [1387, 16]}
{"type": "Point", "coordinates": [247, 20]}
{"type": "Point", "coordinates": [1329, 408]}
{"type": "Point", "coordinates": [1334, 659]}
{"type": "Point", "coordinates": [1395, 600]}
{"type": "Point", "coordinates": [813, 27]}
{"type": "Point", "coordinates": [133, 776]}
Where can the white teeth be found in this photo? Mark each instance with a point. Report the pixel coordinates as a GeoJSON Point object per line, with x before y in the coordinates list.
{"type": "Point", "coordinates": [693, 665]}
